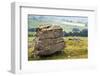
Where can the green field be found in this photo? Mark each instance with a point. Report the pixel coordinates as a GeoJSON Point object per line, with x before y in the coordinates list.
{"type": "Point", "coordinates": [73, 50]}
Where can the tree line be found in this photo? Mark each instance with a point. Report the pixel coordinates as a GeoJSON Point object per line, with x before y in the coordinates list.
{"type": "Point", "coordinates": [77, 32]}
{"type": "Point", "coordinates": [74, 32]}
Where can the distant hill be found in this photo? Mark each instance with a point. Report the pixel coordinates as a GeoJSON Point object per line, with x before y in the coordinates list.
{"type": "Point", "coordinates": [67, 27]}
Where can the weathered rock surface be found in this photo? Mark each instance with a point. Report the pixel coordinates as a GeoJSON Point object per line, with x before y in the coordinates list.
{"type": "Point", "coordinates": [49, 39]}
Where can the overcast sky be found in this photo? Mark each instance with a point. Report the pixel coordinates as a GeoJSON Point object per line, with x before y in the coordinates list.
{"type": "Point", "coordinates": [59, 18]}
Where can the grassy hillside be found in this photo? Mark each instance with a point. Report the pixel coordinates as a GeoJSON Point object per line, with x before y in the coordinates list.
{"type": "Point", "coordinates": [72, 50]}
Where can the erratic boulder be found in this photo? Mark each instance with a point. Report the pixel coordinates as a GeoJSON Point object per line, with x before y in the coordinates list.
{"type": "Point", "coordinates": [49, 40]}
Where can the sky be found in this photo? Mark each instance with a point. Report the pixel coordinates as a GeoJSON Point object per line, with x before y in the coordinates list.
{"type": "Point", "coordinates": [36, 20]}
{"type": "Point", "coordinates": [59, 18]}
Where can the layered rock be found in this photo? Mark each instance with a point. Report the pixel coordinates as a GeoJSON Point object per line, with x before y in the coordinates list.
{"type": "Point", "coordinates": [49, 39]}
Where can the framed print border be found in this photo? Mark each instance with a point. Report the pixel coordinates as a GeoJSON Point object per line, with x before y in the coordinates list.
{"type": "Point", "coordinates": [16, 30]}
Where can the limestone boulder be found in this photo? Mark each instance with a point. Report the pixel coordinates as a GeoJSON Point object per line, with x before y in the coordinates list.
{"type": "Point", "coordinates": [49, 39]}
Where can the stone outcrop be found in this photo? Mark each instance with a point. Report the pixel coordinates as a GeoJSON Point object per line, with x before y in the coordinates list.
{"type": "Point", "coordinates": [49, 39]}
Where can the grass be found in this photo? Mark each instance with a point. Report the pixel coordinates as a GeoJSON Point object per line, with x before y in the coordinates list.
{"type": "Point", "coordinates": [73, 49]}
